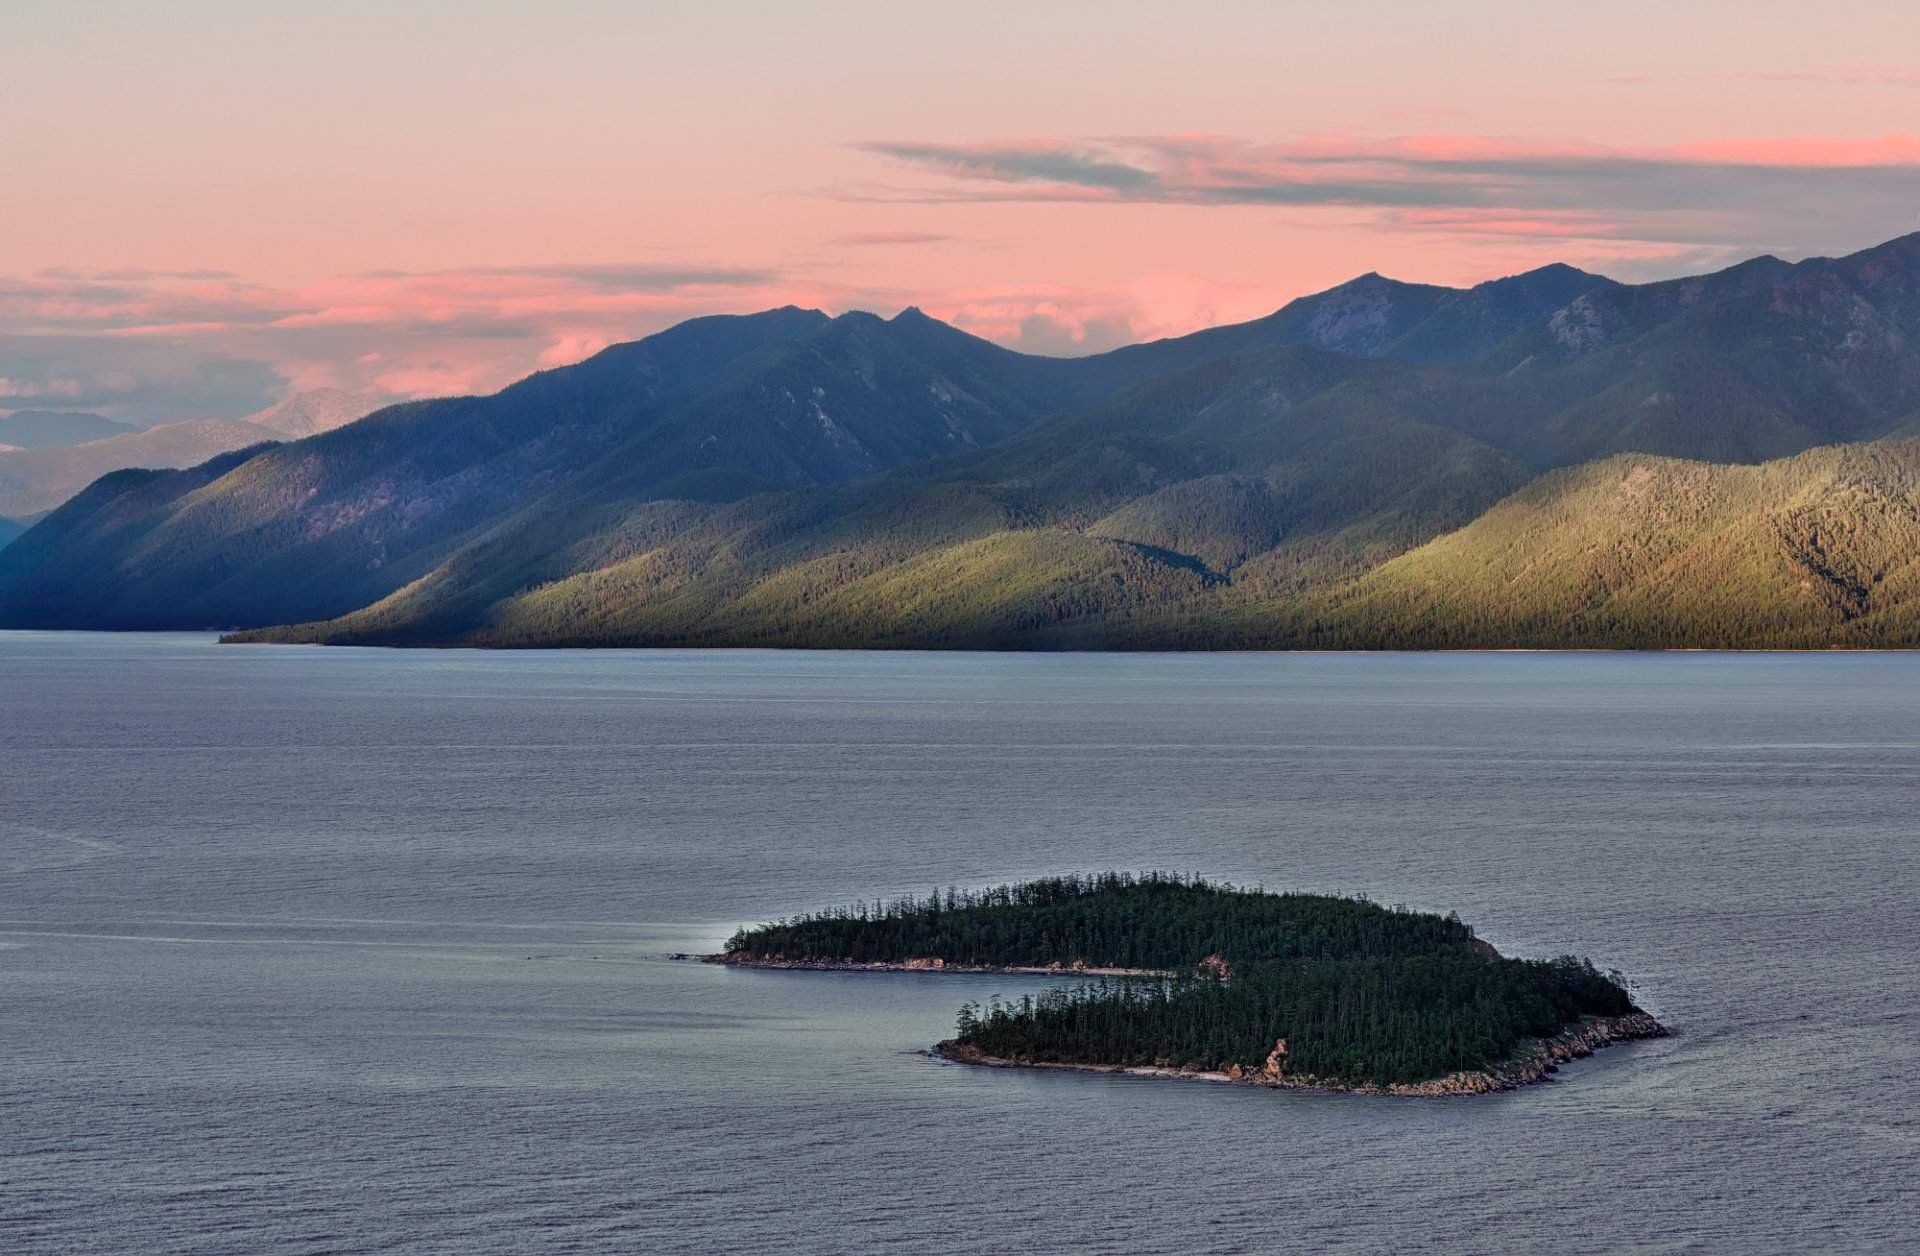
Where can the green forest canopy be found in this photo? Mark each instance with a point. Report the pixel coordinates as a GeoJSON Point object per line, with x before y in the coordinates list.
{"type": "Point", "coordinates": [1364, 994]}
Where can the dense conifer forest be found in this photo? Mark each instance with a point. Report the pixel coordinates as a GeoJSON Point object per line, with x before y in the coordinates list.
{"type": "Point", "coordinates": [1113, 920]}
{"type": "Point", "coordinates": [1364, 994]}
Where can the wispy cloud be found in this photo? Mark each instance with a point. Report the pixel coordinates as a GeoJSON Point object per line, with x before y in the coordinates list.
{"type": "Point", "coordinates": [637, 277]}
{"type": "Point", "coordinates": [1769, 193]}
{"type": "Point", "coordinates": [871, 239]}
{"type": "Point", "coordinates": [135, 273]}
{"type": "Point", "coordinates": [1894, 76]}
{"type": "Point", "coordinates": [1840, 76]}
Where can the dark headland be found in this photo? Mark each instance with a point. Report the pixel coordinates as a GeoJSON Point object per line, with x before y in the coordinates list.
{"type": "Point", "coordinates": [1186, 978]}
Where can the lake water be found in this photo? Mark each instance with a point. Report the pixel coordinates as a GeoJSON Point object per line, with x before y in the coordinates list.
{"type": "Point", "coordinates": [309, 950]}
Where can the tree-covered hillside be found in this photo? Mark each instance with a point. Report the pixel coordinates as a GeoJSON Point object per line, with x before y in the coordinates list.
{"type": "Point", "coordinates": [1816, 550]}
{"type": "Point", "coordinates": [1111, 920]}
{"type": "Point", "coordinates": [1350, 1022]}
{"type": "Point", "coordinates": [1630, 552]}
{"type": "Point", "coordinates": [985, 549]}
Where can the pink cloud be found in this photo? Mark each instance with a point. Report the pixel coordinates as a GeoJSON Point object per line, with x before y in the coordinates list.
{"type": "Point", "coordinates": [403, 334]}
{"type": "Point", "coordinates": [434, 379]}
{"type": "Point", "coordinates": [1067, 273]}
{"type": "Point", "coordinates": [572, 347]}
{"type": "Point", "coordinates": [445, 333]}
{"type": "Point", "coordinates": [1062, 320]}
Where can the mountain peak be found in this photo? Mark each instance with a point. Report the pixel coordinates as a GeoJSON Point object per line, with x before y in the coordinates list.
{"type": "Point", "coordinates": [316, 410]}
{"type": "Point", "coordinates": [1557, 270]}
{"type": "Point", "coordinates": [1553, 273]}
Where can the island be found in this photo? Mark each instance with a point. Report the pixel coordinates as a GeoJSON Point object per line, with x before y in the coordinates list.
{"type": "Point", "coordinates": [1186, 978]}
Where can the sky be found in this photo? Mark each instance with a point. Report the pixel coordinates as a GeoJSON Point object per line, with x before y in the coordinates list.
{"type": "Point", "coordinates": [208, 205]}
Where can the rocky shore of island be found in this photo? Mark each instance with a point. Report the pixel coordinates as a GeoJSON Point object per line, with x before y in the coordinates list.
{"type": "Point", "coordinates": [1538, 1062]}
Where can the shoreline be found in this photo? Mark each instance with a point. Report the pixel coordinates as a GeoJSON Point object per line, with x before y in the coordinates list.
{"type": "Point", "coordinates": [922, 966]}
{"type": "Point", "coordinates": [1531, 1065]}
{"type": "Point", "coordinates": [257, 636]}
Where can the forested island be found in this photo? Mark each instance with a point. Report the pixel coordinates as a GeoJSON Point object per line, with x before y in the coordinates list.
{"type": "Point", "coordinates": [1194, 979]}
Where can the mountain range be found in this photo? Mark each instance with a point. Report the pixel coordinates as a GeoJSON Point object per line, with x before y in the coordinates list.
{"type": "Point", "coordinates": [1552, 458]}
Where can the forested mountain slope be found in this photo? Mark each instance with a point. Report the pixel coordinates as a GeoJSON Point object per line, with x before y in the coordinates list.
{"type": "Point", "coordinates": [1819, 549]}
{"type": "Point", "coordinates": [1159, 496]}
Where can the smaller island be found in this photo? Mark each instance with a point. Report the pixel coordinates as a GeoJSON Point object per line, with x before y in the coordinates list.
{"type": "Point", "coordinates": [1188, 978]}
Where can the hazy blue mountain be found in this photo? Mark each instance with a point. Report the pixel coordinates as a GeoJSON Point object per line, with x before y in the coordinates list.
{"type": "Point", "coordinates": [47, 429]}
{"type": "Point", "coordinates": [36, 480]}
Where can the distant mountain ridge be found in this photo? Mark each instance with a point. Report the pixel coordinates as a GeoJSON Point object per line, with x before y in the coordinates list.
{"type": "Point", "coordinates": [48, 429]}
{"type": "Point", "coordinates": [316, 410]}
{"type": "Point", "coordinates": [791, 479]}
{"type": "Point", "coordinates": [38, 479]}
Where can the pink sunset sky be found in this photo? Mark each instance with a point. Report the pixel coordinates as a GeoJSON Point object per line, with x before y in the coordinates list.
{"type": "Point", "coordinates": [208, 205]}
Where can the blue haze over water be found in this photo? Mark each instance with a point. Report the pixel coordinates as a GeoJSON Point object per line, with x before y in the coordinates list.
{"type": "Point", "coordinates": [308, 950]}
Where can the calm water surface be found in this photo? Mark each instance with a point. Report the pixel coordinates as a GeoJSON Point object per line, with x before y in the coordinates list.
{"type": "Point", "coordinates": [348, 951]}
